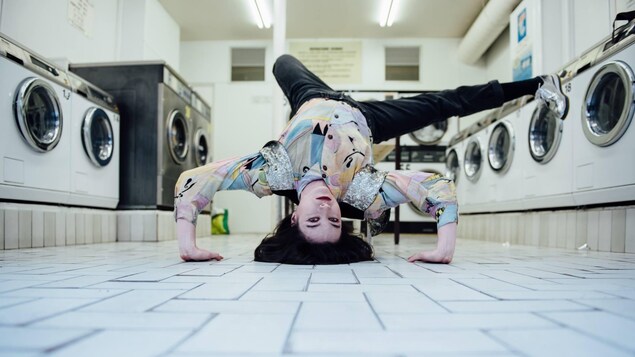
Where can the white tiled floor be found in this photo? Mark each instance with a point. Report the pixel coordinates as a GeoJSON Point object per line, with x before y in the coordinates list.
{"type": "Point", "coordinates": [139, 299]}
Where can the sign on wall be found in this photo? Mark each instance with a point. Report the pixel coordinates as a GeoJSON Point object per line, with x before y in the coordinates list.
{"type": "Point", "coordinates": [333, 62]}
{"type": "Point", "coordinates": [81, 14]}
{"type": "Point", "coordinates": [522, 52]}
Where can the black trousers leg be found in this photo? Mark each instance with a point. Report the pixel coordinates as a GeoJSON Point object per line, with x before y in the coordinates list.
{"type": "Point", "coordinates": [392, 118]}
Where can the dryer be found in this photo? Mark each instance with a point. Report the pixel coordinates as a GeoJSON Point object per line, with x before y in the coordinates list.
{"type": "Point", "coordinates": [35, 145]}
{"type": "Point", "coordinates": [201, 131]}
{"type": "Point", "coordinates": [94, 134]}
{"type": "Point", "coordinates": [603, 163]}
{"type": "Point", "coordinates": [156, 123]}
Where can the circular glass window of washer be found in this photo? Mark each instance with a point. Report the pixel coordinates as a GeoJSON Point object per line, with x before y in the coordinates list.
{"type": "Point", "coordinates": [452, 165]}
{"type": "Point", "coordinates": [545, 132]}
{"type": "Point", "coordinates": [473, 160]}
{"type": "Point", "coordinates": [98, 137]}
{"type": "Point", "coordinates": [431, 134]}
{"type": "Point", "coordinates": [43, 117]}
{"type": "Point", "coordinates": [177, 137]}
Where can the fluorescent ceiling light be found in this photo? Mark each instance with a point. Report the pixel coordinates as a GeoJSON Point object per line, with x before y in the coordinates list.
{"type": "Point", "coordinates": [263, 20]}
{"type": "Point", "coordinates": [388, 11]}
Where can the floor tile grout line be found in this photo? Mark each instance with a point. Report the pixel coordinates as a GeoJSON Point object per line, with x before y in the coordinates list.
{"type": "Point", "coordinates": [503, 343]}
{"type": "Point", "coordinates": [89, 303]}
{"type": "Point", "coordinates": [190, 335]}
{"type": "Point", "coordinates": [394, 272]}
{"type": "Point", "coordinates": [248, 289]}
{"type": "Point", "coordinates": [176, 297]}
{"type": "Point", "coordinates": [433, 300]}
{"type": "Point", "coordinates": [594, 308]}
{"type": "Point", "coordinates": [585, 333]}
{"type": "Point", "coordinates": [308, 282]}
{"type": "Point", "coordinates": [477, 290]}
{"type": "Point", "coordinates": [19, 303]}
{"type": "Point", "coordinates": [285, 346]}
{"type": "Point", "coordinates": [356, 278]}
{"type": "Point", "coordinates": [73, 341]}
{"type": "Point", "coordinates": [370, 305]}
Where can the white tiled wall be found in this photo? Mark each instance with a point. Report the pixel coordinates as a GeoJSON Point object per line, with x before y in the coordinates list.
{"type": "Point", "coordinates": [154, 226]}
{"type": "Point", "coordinates": [601, 229]}
{"type": "Point", "coordinates": [35, 226]}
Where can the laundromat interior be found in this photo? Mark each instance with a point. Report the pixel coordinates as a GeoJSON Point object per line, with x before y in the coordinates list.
{"type": "Point", "coordinates": [110, 107]}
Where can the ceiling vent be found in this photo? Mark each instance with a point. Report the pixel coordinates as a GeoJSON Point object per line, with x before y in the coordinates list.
{"type": "Point", "coordinates": [489, 24]}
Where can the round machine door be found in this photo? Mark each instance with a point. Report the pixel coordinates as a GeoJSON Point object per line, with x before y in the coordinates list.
{"type": "Point", "coordinates": [98, 137]}
{"type": "Point", "coordinates": [178, 142]}
{"type": "Point", "coordinates": [202, 149]}
{"type": "Point", "coordinates": [412, 205]}
{"type": "Point", "coordinates": [609, 104]}
{"type": "Point", "coordinates": [38, 114]}
{"type": "Point", "coordinates": [473, 160]}
{"type": "Point", "coordinates": [500, 150]}
{"type": "Point", "coordinates": [452, 166]}
{"type": "Point", "coordinates": [545, 133]}
{"type": "Point", "coordinates": [431, 134]}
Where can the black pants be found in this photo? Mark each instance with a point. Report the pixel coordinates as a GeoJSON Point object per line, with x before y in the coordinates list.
{"type": "Point", "coordinates": [390, 118]}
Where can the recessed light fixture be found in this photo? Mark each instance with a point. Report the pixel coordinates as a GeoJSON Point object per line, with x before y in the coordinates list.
{"type": "Point", "coordinates": [261, 15]}
{"type": "Point", "coordinates": [388, 11]}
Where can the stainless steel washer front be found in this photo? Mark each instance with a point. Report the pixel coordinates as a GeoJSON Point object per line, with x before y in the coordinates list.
{"type": "Point", "coordinates": [202, 149]}
{"type": "Point", "coordinates": [609, 104]}
{"type": "Point", "coordinates": [177, 132]}
{"type": "Point", "coordinates": [38, 114]}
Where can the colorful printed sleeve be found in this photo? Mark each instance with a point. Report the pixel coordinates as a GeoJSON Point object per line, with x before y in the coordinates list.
{"type": "Point", "coordinates": [195, 188]}
{"type": "Point", "coordinates": [432, 193]}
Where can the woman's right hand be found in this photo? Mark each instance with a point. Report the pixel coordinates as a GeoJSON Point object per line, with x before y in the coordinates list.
{"type": "Point", "coordinates": [197, 254]}
{"type": "Point", "coordinates": [186, 234]}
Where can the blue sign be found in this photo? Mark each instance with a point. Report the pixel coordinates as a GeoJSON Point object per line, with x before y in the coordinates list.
{"type": "Point", "coordinates": [522, 25]}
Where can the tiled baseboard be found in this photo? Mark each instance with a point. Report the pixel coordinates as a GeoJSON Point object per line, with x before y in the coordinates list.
{"type": "Point", "coordinates": [154, 226]}
{"type": "Point", "coordinates": [601, 229]}
{"type": "Point", "coordinates": [36, 226]}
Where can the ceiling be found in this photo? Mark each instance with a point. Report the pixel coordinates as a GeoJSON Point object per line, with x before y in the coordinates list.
{"type": "Point", "coordinates": [207, 20]}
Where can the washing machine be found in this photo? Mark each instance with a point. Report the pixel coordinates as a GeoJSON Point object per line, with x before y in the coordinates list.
{"type": "Point", "coordinates": [547, 165]}
{"type": "Point", "coordinates": [503, 152]}
{"type": "Point", "coordinates": [35, 144]}
{"type": "Point", "coordinates": [604, 140]}
{"type": "Point", "coordinates": [156, 123]}
{"type": "Point", "coordinates": [201, 131]}
{"type": "Point", "coordinates": [454, 164]}
{"type": "Point", "coordinates": [94, 133]}
{"type": "Point", "coordinates": [478, 190]}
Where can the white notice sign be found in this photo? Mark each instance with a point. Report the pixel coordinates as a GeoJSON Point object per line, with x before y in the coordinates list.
{"type": "Point", "coordinates": [81, 14]}
{"type": "Point", "coordinates": [333, 62]}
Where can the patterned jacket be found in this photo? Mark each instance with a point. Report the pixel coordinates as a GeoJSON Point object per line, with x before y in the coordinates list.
{"type": "Point", "coordinates": [325, 140]}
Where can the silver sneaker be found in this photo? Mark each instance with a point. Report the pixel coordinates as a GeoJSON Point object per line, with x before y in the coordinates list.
{"type": "Point", "coordinates": [550, 92]}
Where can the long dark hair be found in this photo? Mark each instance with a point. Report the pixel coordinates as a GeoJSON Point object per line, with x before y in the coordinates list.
{"type": "Point", "coordinates": [289, 246]}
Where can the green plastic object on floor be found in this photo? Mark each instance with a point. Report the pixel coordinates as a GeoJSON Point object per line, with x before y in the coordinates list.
{"type": "Point", "coordinates": [219, 221]}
